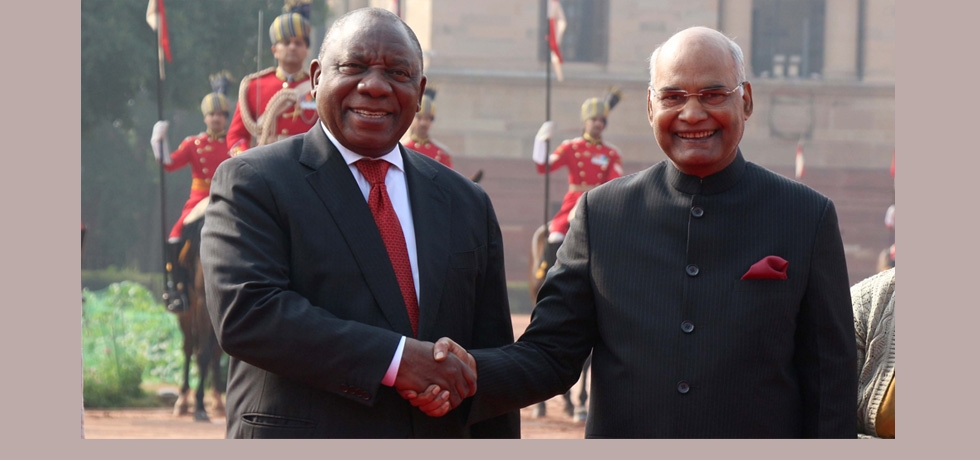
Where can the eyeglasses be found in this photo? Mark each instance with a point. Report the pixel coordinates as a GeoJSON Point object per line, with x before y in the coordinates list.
{"type": "Point", "coordinates": [675, 98]}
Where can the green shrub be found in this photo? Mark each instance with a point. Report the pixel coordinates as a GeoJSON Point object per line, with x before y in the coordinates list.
{"type": "Point", "coordinates": [128, 337]}
{"type": "Point", "coordinates": [97, 280]}
{"type": "Point", "coordinates": [112, 376]}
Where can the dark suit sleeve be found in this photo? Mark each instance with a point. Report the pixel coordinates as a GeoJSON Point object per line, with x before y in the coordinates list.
{"type": "Point", "coordinates": [245, 255]}
{"type": "Point", "coordinates": [492, 325]}
{"type": "Point", "coordinates": [547, 360]}
{"type": "Point", "coordinates": [825, 346]}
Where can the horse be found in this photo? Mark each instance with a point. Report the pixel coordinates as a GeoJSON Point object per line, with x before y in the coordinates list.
{"type": "Point", "coordinates": [886, 259]}
{"type": "Point", "coordinates": [199, 340]}
{"type": "Point", "coordinates": [536, 277]}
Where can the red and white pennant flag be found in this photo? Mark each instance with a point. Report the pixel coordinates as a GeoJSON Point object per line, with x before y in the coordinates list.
{"type": "Point", "coordinates": [556, 28]}
{"type": "Point", "coordinates": [156, 17]}
{"type": "Point", "coordinates": [893, 165]}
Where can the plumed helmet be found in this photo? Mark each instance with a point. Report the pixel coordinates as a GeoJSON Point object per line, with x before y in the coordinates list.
{"type": "Point", "coordinates": [216, 101]}
{"type": "Point", "coordinates": [293, 23]}
{"type": "Point", "coordinates": [594, 107]}
{"type": "Point", "coordinates": [428, 103]}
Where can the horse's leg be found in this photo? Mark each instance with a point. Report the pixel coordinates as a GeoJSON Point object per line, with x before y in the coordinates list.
{"type": "Point", "coordinates": [180, 407]}
{"type": "Point", "coordinates": [569, 407]}
{"type": "Point", "coordinates": [584, 395]}
{"type": "Point", "coordinates": [217, 385]}
{"type": "Point", "coordinates": [582, 412]}
{"type": "Point", "coordinates": [540, 410]}
{"type": "Point", "coordinates": [203, 365]}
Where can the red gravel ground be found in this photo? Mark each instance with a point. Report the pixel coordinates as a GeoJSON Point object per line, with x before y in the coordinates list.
{"type": "Point", "coordinates": [160, 423]}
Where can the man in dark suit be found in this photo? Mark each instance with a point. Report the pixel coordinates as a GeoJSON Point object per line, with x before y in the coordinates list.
{"type": "Point", "coordinates": [712, 293]}
{"type": "Point", "coordinates": [318, 275]}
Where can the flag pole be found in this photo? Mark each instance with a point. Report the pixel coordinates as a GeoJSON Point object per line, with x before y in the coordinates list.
{"type": "Point", "coordinates": [163, 220]}
{"type": "Point", "coordinates": [258, 63]}
{"type": "Point", "coordinates": [547, 142]}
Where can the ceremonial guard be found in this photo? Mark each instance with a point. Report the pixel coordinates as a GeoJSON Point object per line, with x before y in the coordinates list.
{"type": "Point", "coordinates": [419, 139]}
{"type": "Point", "coordinates": [276, 103]}
{"type": "Point", "coordinates": [590, 162]}
{"type": "Point", "coordinates": [203, 152]}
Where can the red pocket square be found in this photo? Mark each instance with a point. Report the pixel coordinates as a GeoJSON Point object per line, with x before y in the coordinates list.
{"type": "Point", "coordinates": [769, 268]}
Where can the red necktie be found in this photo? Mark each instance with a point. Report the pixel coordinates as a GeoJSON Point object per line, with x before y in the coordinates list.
{"type": "Point", "coordinates": [391, 233]}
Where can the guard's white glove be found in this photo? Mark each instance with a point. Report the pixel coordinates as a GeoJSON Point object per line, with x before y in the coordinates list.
{"type": "Point", "coordinates": [158, 140]}
{"type": "Point", "coordinates": [540, 141]}
{"type": "Point", "coordinates": [544, 132]}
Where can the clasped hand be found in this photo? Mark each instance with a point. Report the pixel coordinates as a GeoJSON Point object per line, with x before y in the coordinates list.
{"type": "Point", "coordinates": [436, 378]}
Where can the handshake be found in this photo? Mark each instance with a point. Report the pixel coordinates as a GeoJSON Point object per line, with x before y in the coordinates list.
{"type": "Point", "coordinates": [436, 378]}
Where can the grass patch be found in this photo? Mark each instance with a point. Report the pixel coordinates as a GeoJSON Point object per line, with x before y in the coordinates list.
{"type": "Point", "coordinates": [128, 338]}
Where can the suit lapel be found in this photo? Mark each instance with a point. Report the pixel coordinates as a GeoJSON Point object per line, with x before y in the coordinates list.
{"type": "Point", "coordinates": [334, 184]}
{"type": "Point", "coordinates": [431, 211]}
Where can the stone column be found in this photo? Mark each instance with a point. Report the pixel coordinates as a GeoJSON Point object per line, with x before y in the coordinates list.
{"type": "Point", "coordinates": [840, 40]}
{"type": "Point", "coordinates": [736, 23]}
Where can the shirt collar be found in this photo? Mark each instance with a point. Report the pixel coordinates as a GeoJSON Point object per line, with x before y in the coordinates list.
{"type": "Point", "coordinates": [290, 78]}
{"type": "Point", "coordinates": [418, 140]}
{"type": "Point", "coordinates": [215, 136]}
{"type": "Point", "coordinates": [394, 156]}
{"type": "Point", "coordinates": [715, 183]}
{"type": "Point", "coordinates": [591, 140]}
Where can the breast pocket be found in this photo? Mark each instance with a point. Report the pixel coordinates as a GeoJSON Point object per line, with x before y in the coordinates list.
{"type": "Point", "coordinates": [460, 283]}
{"type": "Point", "coordinates": [769, 302]}
{"type": "Point", "coordinates": [762, 287]}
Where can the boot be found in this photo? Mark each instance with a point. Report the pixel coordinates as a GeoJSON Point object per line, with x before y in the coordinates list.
{"type": "Point", "coordinates": [175, 293]}
{"type": "Point", "coordinates": [548, 258]}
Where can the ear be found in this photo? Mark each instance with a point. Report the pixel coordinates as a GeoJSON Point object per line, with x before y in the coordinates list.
{"type": "Point", "coordinates": [650, 105]}
{"type": "Point", "coordinates": [747, 99]}
{"type": "Point", "coordinates": [314, 76]}
{"type": "Point", "coordinates": [418, 105]}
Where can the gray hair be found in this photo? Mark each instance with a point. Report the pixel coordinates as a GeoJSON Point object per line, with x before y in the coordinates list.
{"type": "Point", "coordinates": [733, 48]}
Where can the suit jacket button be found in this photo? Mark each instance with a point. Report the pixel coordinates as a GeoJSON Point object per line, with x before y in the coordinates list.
{"type": "Point", "coordinates": [687, 327]}
{"type": "Point", "coordinates": [697, 211]}
{"type": "Point", "coordinates": [692, 270]}
{"type": "Point", "coordinates": [683, 387]}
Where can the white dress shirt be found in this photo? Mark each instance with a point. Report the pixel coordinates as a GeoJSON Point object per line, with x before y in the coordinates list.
{"type": "Point", "coordinates": [398, 194]}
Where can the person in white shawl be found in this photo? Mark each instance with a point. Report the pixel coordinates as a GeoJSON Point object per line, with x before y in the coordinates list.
{"type": "Point", "coordinates": [873, 300]}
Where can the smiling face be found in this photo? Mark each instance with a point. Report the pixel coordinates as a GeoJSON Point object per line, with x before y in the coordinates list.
{"type": "Point", "coordinates": [368, 83]}
{"type": "Point", "coordinates": [699, 140]}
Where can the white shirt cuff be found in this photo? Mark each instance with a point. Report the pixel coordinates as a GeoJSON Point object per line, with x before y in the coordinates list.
{"type": "Point", "coordinates": [396, 361]}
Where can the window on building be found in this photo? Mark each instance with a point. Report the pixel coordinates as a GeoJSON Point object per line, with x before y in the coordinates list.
{"type": "Point", "coordinates": [586, 37]}
{"type": "Point", "coordinates": [787, 38]}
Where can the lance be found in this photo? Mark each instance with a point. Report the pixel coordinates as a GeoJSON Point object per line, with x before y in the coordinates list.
{"type": "Point", "coordinates": [547, 142]}
{"type": "Point", "coordinates": [258, 65]}
{"type": "Point", "coordinates": [163, 154]}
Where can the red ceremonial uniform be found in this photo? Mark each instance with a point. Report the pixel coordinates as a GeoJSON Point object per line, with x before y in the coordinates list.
{"type": "Point", "coordinates": [204, 153]}
{"type": "Point", "coordinates": [430, 149]}
{"type": "Point", "coordinates": [296, 114]}
{"type": "Point", "coordinates": [589, 164]}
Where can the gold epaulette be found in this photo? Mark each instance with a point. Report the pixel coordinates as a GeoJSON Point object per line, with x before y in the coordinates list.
{"type": "Point", "coordinates": [248, 119]}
